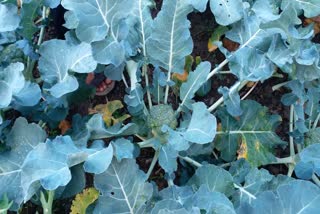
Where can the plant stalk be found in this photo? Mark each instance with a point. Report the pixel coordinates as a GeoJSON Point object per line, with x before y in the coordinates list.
{"type": "Point", "coordinates": [316, 180]}
{"type": "Point", "coordinates": [145, 72]}
{"type": "Point", "coordinates": [125, 81]}
{"type": "Point", "coordinates": [153, 163]}
{"type": "Point", "coordinates": [316, 121]}
{"type": "Point", "coordinates": [250, 195]}
{"type": "Point", "coordinates": [47, 203]}
{"type": "Point", "coordinates": [287, 160]}
{"type": "Point", "coordinates": [219, 67]}
{"type": "Point", "coordinates": [237, 86]}
{"type": "Point", "coordinates": [146, 144]}
{"type": "Point", "coordinates": [278, 86]}
{"type": "Point", "coordinates": [31, 63]}
{"type": "Point", "coordinates": [291, 143]}
{"type": "Point", "coordinates": [191, 161]}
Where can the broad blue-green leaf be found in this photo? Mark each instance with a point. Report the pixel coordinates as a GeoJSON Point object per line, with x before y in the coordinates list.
{"type": "Point", "coordinates": [96, 127]}
{"type": "Point", "coordinates": [108, 52]}
{"type": "Point", "coordinates": [281, 25]}
{"type": "Point", "coordinates": [52, 3]}
{"type": "Point", "coordinates": [312, 107]}
{"type": "Point", "coordinates": [7, 37]}
{"type": "Point", "coordinates": [254, 130]}
{"type": "Point", "coordinates": [310, 158]}
{"type": "Point", "coordinates": [214, 177]}
{"type": "Point", "coordinates": [308, 72]}
{"type": "Point", "coordinates": [199, 5]}
{"type": "Point", "coordinates": [22, 139]}
{"type": "Point", "coordinates": [99, 158]}
{"type": "Point", "coordinates": [304, 170]}
{"type": "Point", "coordinates": [295, 197]}
{"type": "Point", "coordinates": [170, 40]}
{"type": "Point", "coordinates": [231, 100]}
{"type": "Point", "coordinates": [169, 206]}
{"type": "Point", "coordinates": [177, 193]}
{"type": "Point", "coordinates": [124, 149]}
{"type": "Point", "coordinates": [176, 139]}
{"type": "Point", "coordinates": [123, 188]}
{"type": "Point", "coordinates": [76, 184]}
{"type": "Point", "coordinates": [142, 22]}
{"type": "Point", "coordinates": [102, 23]}
{"type": "Point", "coordinates": [48, 163]}
{"type": "Point", "coordinates": [239, 170]}
{"type": "Point", "coordinates": [279, 53]}
{"type": "Point", "coordinates": [157, 90]}
{"type": "Point", "coordinates": [9, 18]}
{"type": "Point", "coordinates": [226, 12]}
{"type": "Point", "coordinates": [29, 95]}
{"type": "Point", "coordinates": [311, 8]}
{"type": "Point", "coordinates": [205, 88]}
{"type": "Point", "coordinates": [98, 18]}
{"type": "Point", "coordinates": [256, 181]}
{"type": "Point", "coordinates": [15, 88]}
{"type": "Point", "coordinates": [195, 80]}
{"type": "Point", "coordinates": [248, 32]}
{"type": "Point", "coordinates": [5, 204]}
{"type": "Point", "coordinates": [71, 20]}
{"type": "Point", "coordinates": [113, 72]}
{"type": "Point", "coordinates": [5, 93]}
{"type": "Point", "coordinates": [58, 58]}
{"type": "Point", "coordinates": [168, 158]}
{"type": "Point", "coordinates": [29, 12]}
{"type": "Point", "coordinates": [212, 201]}
{"type": "Point", "coordinates": [203, 125]}
{"type": "Point", "coordinates": [266, 10]}
{"type": "Point", "coordinates": [134, 99]}
{"type": "Point", "coordinates": [252, 65]}
{"type": "Point", "coordinates": [249, 61]}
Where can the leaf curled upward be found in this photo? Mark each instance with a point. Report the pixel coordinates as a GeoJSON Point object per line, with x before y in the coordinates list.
{"type": "Point", "coordinates": [84, 200]}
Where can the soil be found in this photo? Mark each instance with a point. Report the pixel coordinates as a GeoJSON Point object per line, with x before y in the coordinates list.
{"type": "Point", "coordinates": [202, 25]}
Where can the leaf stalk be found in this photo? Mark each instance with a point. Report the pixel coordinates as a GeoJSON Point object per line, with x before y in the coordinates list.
{"type": "Point", "coordinates": [153, 163]}
{"type": "Point", "coordinates": [47, 203]}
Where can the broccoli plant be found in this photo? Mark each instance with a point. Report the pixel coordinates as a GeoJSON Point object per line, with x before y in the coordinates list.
{"type": "Point", "coordinates": [210, 152]}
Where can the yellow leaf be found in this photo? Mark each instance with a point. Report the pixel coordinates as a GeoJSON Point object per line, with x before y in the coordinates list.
{"type": "Point", "coordinates": [180, 77]}
{"type": "Point", "coordinates": [187, 68]}
{"type": "Point", "coordinates": [250, 84]}
{"type": "Point", "coordinates": [211, 47]}
{"type": "Point", "coordinates": [243, 151]}
{"type": "Point", "coordinates": [107, 111]}
{"type": "Point", "coordinates": [84, 200]}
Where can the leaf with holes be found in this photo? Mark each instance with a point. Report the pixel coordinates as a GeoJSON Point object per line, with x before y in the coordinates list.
{"type": "Point", "coordinates": [226, 12]}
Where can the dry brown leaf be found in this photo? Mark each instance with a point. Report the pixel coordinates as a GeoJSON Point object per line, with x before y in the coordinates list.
{"type": "Point", "coordinates": [64, 126]}
{"type": "Point", "coordinates": [315, 21]}
{"type": "Point", "coordinates": [230, 45]}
